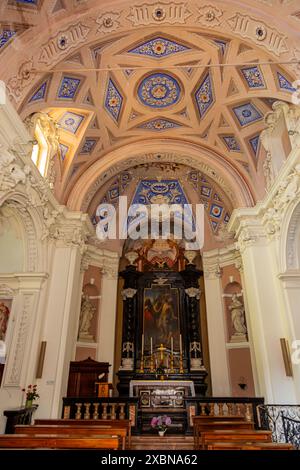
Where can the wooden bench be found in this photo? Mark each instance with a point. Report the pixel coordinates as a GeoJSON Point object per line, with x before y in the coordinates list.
{"type": "Point", "coordinates": [113, 423]}
{"type": "Point", "coordinates": [237, 435]}
{"type": "Point", "coordinates": [74, 431]}
{"type": "Point", "coordinates": [211, 425]}
{"type": "Point", "coordinates": [253, 446]}
{"type": "Point", "coordinates": [20, 441]}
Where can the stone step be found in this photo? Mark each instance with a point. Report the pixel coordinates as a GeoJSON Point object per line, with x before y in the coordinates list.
{"type": "Point", "coordinates": [162, 443]}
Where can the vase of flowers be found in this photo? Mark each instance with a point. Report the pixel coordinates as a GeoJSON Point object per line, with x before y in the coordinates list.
{"type": "Point", "coordinates": [161, 423]}
{"type": "Point", "coordinates": [30, 395]}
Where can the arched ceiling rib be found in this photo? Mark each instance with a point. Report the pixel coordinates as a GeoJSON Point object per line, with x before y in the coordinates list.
{"type": "Point", "coordinates": [111, 81]}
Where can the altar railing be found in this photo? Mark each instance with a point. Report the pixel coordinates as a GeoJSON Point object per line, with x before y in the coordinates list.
{"type": "Point", "coordinates": [246, 408]}
{"type": "Point", "coordinates": [100, 408]}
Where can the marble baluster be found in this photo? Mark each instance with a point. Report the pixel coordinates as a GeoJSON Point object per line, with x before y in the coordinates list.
{"type": "Point", "coordinates": [78, 410]}
{"type": "Point", "coordinates": [87, 411]}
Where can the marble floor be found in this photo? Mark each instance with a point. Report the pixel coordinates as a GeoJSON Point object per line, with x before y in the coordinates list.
{"type": "Point", "coordinates": [162, 443]}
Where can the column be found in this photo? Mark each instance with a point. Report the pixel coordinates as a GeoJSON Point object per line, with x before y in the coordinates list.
{"type": "Point", "coordinates": [267, 321]}
{"type": "Point", "coordinates": [60, 328]}
{"type": "Point", "coordinates": [129, 351]}
{"type": "Point", "coordinates": [107, 320]}
{"type": "Point", "coordinates": [216, 334]}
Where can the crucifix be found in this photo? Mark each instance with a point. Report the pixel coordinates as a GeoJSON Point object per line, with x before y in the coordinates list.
{"type": "Point", "coordinates": [161, 349]}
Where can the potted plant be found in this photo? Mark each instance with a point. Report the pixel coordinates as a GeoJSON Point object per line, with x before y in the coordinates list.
{"type": "Point", "coordinates": [161, 423]}
{"type": "Point", "coordinates": [31, 395]}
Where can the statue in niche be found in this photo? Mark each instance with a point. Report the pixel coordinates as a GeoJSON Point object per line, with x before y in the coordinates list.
{"type": "Point", "coordinates": [238, 319]}
{"type": "Point", "coordinates": [4, 314]}
{"type": "Point", "coordinates": [86, 315]}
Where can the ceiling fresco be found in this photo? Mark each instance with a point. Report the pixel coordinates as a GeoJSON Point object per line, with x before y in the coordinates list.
{"type": "Point", "coordinates": [122, 75]}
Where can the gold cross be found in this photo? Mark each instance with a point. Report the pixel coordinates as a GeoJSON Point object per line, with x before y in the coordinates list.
{"type": "Point", "coordinates": [161, 349]}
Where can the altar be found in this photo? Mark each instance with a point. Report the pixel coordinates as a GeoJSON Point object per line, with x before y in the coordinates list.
{"type": "Point", "coordinates": [167, 394]}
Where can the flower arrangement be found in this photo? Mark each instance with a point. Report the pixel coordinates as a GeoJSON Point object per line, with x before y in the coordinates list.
{"type": "Point", "coordinates": [31, 393]}
{"type": "Point", "coordinates": [161, 422]}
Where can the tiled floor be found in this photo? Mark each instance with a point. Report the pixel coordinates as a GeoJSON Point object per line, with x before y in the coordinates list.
{"type": "Point", "coordinates": [162, 443]}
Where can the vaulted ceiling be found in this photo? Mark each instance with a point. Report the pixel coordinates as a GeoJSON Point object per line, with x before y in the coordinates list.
{"type": "Point", "coordinates": [206, 85]}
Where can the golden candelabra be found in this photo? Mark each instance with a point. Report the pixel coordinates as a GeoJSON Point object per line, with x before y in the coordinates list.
{"type": "Point", "coordinates": [172, 370]}
{"type": "Point", "coordinates": [181, 364]}
{"type": "Point", "coordinates": [151, 363]}
{"type": "Point", "coordinates": [142, 365]}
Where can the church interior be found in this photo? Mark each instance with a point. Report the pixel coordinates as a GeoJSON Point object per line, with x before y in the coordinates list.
{"type": "Point", "coordinates": [147, 336]}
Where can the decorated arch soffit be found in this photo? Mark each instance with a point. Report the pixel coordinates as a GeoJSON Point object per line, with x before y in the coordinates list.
{"type": "Point", "coordinates": [127, 73]}
{"type": "Point", "coordinates": [180, 184]}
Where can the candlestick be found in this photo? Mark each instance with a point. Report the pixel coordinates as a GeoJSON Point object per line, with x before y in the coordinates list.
{"type": "Point", "coordinates": [143, 344]}
{"type": "Point", "coordinates": [180, 344]}
{"type": "Point", "coordinates": [151, 346]}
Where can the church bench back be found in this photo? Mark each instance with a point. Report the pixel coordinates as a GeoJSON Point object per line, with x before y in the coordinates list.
{"type": "Point", "coordinates": [113, 423]}
{"type": "Point", "coordinates": [252, 446]}
{"type": "Point", "coordinates": [237, 435]}
{"type": "Point", "coordinates": [74, 431]}
{"type": "Point", "coordinates": [20, 441]}
{"type": "Point", "coordinates": [211, 425]}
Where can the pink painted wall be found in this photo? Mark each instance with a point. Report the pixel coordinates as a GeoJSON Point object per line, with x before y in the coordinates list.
{"type": "Point", "coordinates": [84, 353]}
{"type": "Point", "coordinates": [241, 371]}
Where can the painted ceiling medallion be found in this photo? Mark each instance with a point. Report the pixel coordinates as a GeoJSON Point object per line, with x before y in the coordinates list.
{"type": "Point", "coordinates": [159, 90]}
{"type": "Point", "coordinates": [247, 114]}
{"type": "Point", "coordinates": [70, 122]}
{"type": "Point", "coordinates": [158, 47]}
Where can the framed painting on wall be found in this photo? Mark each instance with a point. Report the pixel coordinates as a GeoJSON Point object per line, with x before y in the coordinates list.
{"type": "Point", "coordinates": [161, 316]}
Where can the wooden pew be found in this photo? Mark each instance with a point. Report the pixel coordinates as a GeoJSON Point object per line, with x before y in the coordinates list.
{"type": "Point", "coordinates": [237, 435]}
{"type": "Point", "coordinates": [253, 446]}
{"type": "Point", "coordinates": [20, 441]}
{"type": "Point", "coordinates": [113, 423]}
{"type": "Point", "coordinates": [74, 431]}
{"type": "Point", "coordinates": [201, 425]}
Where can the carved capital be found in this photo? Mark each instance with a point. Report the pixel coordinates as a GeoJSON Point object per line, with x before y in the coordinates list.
{"type": "Point", "coordinates": [128, 293]}
{"type": "Point", "coordinates": [193, 292]}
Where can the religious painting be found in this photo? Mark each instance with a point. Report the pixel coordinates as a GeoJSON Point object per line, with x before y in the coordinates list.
{"type": "Point", "coordinates": [161, 316]}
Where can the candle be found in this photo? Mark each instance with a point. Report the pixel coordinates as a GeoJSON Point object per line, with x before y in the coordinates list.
{"type": "Point", "coordinates": [151, 346]}
{"type": "Point", "coordinates": [172, 345]}
{"type": "Point", "coordinates": [180, 344]}
{"type": "Point", "coordinates": [142, 344]}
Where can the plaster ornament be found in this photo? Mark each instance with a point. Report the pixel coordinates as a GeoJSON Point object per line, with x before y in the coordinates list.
{"type": "Point", "coordinates": [210, 16]}
{"type": "Point", "coordinates": [20, 81]}
{"type": "Point", "coordinates": [63, 42]}
{"type": "Point", "coordinates": [223, 234]}
{"type": "Point", "coordinates": [262, 34]}
{"type": "Point", "coordinates": [11, 174]}
{"type": "Point", "coordinates": [108, 22]}
{"type": "Point", "coordinates": [272, 221]}
{"type": "Point", "coordinates": [170, 12]}
{"type": "Point", "coordinates": [190, 256]}
{"type": "Point", "coordinates": [132, 257]}
{"type": "Point", "coordinates": [268, 171]}
{"type": "Point", "coordinates": [289, 189]}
